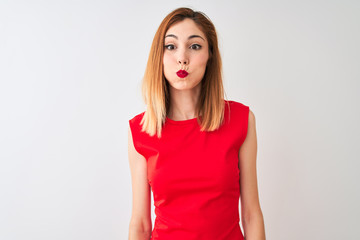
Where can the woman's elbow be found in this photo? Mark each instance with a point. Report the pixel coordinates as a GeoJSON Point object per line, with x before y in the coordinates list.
{"type": "Point", "coordinates": [140, 230]}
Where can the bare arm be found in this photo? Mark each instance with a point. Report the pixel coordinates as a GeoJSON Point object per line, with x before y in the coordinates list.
{"type": "Point", "coordinates": [252, 218]}
{"type": "Point", "coordinates": [140, 226]}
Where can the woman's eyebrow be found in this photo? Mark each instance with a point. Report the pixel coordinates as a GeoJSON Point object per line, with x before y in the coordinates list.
{"type": "Point", "coordinates": [190, 37]}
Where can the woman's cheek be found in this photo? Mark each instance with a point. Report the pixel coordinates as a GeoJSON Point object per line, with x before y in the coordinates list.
{"type": "Point", "coordinates": [202, 60]}
{"type": "Point", "coordinates": [165, 59]}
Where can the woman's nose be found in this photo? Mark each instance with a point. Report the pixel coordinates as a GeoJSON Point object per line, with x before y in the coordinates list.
{"type": "Point", "coordinates": [182, 58]}
{"type": "Point", "coordinates": [182, 62]}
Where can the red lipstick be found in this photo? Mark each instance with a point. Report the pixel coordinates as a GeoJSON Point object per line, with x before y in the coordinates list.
{"type": "Point", "coordinates": [182, 73]}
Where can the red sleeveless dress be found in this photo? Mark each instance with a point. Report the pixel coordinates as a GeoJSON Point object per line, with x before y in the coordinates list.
{"type": "Point", "coordinates": [194, 176]}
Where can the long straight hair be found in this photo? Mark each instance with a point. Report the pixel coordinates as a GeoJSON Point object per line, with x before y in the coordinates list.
{"type": "Point", "coordinates": [155, 88]}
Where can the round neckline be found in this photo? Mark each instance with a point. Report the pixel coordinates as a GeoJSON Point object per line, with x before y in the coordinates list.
{"type": "Point", "coordinates": [192, 120]}
{"type": "Point", "coordinates": [187, 121]}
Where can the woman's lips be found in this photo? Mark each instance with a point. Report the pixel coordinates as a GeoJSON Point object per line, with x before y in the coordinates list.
{"type": "Point", "coordinates": [182, 73]}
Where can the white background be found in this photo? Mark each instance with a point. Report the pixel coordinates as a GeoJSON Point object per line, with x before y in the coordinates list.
{"type": "Point", "coordinates": [70, 75]}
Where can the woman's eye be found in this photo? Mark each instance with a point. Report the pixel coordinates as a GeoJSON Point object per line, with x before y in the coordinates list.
{"type": "Point", "coordinates": [195, 46]}
{"type": "Point", "coordinates": [169, 47]}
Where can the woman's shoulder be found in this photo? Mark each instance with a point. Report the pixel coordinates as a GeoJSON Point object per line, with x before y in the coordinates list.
{"type": "Point", "coordinates": [237, 105]}
{"type": "Point", "coordinates": [137, 117]}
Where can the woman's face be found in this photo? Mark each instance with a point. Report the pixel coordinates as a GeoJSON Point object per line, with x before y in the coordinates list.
{"type": "Point", "coordinates": [186, 48]}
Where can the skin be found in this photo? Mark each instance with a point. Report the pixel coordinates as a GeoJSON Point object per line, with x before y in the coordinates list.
{"type": "Point", "coordinates": [192, 55]}
{"type": "Point", "coordinates": [140, 226]}
{"type": "Point", "coordinates": [186, 47]}
{"type": "Point", "coordinates": [251, 214]}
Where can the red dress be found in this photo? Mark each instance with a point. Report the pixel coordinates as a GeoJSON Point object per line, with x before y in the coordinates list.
{"type": "Point", "coordinates": [194, 176]}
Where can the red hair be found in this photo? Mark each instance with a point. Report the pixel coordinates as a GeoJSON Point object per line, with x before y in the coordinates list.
{"type": "Point", "coordinates": [155, 88]}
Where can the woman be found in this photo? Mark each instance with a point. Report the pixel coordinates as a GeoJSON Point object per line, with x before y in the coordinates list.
{"type": "Point", "coordinates": [192, 148]}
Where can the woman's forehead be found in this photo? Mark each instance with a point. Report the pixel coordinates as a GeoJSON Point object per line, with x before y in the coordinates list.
{"type": "Point", "coordinates": [184, 29]}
